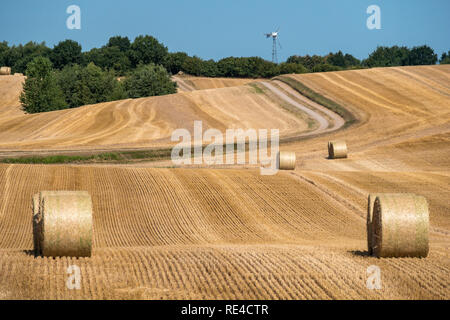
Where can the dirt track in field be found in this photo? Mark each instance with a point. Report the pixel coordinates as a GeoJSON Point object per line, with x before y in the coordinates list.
{"type": "Point", "coordinates": [233, 234]}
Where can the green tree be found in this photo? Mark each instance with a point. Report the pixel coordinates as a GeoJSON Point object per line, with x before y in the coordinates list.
{"type": "Point", "coordinates": [287, 68]}
{"type": "Point", "coordinates": [445, 58]}
{"type": "Point", "coordinates": [110, 58]}
{"type": "Point", "coordinates": [145, 50]}
{"type": "Point", "coordinates": [174, 62]}
{"type": "Point", "coordinates": [123, 43]}
{"type": "Point", "coordinates": [388, 57]}
{"type": "Point", "coordinates": [422, 55]}
{"type": "Point", "coordinates": [40, 90]}
{"type": "Point", "coordinates": [149, 80]}
{"type": "Point", "coordinates": [89, 85]}
{"type": "Point", "coordinates": [28, 52]}
{"type": "Point", "coordinates": [307, 61]}
{"type": "Point", "coordinates": [4, 50]}
{"type": "Point", "coordinates": [340, 60]}
{"type": "Point", "coordinates": [65, 53]}
{"type": "Point", "coordinates": [192, 65]}
{"type": "Point", "coordinates": [325, 67]}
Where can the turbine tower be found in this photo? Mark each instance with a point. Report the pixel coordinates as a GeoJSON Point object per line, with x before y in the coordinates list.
{"type": "Point", "coordinates": [274, 36]}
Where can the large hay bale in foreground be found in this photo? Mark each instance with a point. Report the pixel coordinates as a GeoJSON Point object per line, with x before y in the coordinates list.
{"type": "Point", "coordinates": [400, 225]}
{"type": "Point", "coordinates": [5, 71]}
{"type": "Point", "coordinates": [337, 149]}
{"type": "Point", "coordinates": [62, 223]}
{"type": "Point", "coordinates": [286, 160]}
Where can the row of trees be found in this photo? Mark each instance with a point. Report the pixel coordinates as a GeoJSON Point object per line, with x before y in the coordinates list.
{"type": "Point", "coordinates": [47, 89]}
{"type": "Point", "coordinates": [118, 55]}
{"type": "Point", "coordinates": [121, 56]}
{"type": "Point", "coordinates": [381, 57]}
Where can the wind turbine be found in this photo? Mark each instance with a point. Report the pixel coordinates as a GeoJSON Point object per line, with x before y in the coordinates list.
{"type": "Point", "coordinates": [274, 36]}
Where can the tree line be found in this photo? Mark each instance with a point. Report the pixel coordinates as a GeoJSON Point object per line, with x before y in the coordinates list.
{"type": "Point", "coordinates": [122, 56]}
{"type": "Point", "coordinates": [75, 78]}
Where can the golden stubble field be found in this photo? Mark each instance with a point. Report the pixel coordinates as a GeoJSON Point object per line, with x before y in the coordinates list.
{"type": "Point", "coordinates": [138, 123]}
{"type": "Point", "coordinates": [200, 233]}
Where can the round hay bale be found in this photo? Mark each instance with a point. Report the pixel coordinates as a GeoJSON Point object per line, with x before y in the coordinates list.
{"type": "Point", "coordinates": [337, 149]}
{"type": "Point", "coordinates": [400, 224]}
{"type": "Point", "coordinates": [286, 160]}
{"type": "Point", "coordinates": [18, 74]}
{"type": "Point", "coordinates": [62, 223]}
{"type": "Point", "coordinates": [5, 71]}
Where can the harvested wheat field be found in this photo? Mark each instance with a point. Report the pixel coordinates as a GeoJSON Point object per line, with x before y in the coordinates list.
{"type": "Point", "coordinates": [203, 233]}
{"type": "Point", "coordinates": [183, 233]}
{"type": "Point", "coordinates": [139, 123]}
{"type": "Point", "coordinates": [403, 113]}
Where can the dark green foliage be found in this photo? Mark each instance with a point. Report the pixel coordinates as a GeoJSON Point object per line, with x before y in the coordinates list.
{"type": "Point", "coordinates": [325, 67]}
{"type": "Point", "coordinates": [28, 52]}
{"type": "Point", "coordinates": [286, 68]}
{"type": "Point", "coordinates": [149, 80]}
{"type": "Point", "coordinates": [340, 60]}
{"type": "Point", "coordinates": [18, 57]}
{"type": "Point", "coordinates": [401, 56]}
{"type": "Point", "coordinates": [445, 58]}
{"type": "Point", "coordinates": [65, 53]}
{"type": "Point", "coordinates": [145, 50]}
{"type": "Point", "coordinates": [422, 55]}
{"type": "Point", "coordinates": [123, 43]}
{"type": "Point", "coordinates": [388, 57]}
{"type": "Point", "coordinates": [40, 90]}
{"type": "Point", "coordinates": [174, 62]}
{"type": "Point", "coordinates": [4, 50]}
{"type": "Point", "coordinates": [307, 61]}
{"type": "Point", "coordinates": [253, 67]}
{"type": "Point", "coordinates": [108, 58]}
{"type": "Point", "coordinates": [89, 85]}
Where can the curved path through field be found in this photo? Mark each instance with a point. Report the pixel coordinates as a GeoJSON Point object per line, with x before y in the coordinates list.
{"type": "Point", "coordinates": [324, 123]}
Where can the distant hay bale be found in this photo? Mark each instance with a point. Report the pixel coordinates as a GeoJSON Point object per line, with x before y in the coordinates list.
{"type": "Point", "coordinates": [337, 149]}
{"type": "Point", "coordinates": [62, 223]}
{"type": "Point", "coordinates": [18, 74]}
{"type": "Point", "coordinates": [286, 160]}
{"type": "Point", "coordinates": [5, 71]}
{"type": "Point", "coordinates": [400, 224]}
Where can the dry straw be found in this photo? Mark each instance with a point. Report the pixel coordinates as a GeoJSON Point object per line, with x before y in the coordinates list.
{"type": "Point", "coordinates": [337, 149]}
{"type": "Point", "coordinates": [286, 160]}
{"type": "Point", "coordinates": [62, 223]}
{"type": "Point", "coordinates": [5, 71]}
{"type": "Point", "coordinates": [400, 224]}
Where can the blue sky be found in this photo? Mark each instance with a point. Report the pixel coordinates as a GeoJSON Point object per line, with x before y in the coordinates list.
{"type": "Point", "coordinates": [217, 29]}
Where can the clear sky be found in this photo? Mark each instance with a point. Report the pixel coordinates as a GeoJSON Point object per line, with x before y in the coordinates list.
{"type": "Point", "coordinates": [216, 29]}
